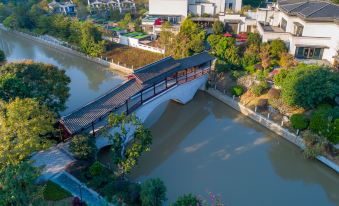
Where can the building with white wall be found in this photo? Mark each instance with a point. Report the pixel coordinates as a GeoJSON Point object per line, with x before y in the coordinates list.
{"type": "Point", "coordinates": [67, 8]}
{"type": "Point", "coordinates": [121, 5]}
{"type": "Point", "coordinates": [310, 29]}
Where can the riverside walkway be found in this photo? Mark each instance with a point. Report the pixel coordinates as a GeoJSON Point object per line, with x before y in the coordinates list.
{"type": "Point", "coordinates": [144, 86]}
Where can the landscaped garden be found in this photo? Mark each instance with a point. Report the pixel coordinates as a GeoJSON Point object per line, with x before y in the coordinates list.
{"type": "Point", "coordinates": [265, 78]}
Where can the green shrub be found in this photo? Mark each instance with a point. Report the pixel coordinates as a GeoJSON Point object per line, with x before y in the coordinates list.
{"type": "Point", "coordinates": [2, 56]}
{"type": "Point", "coordinates": [259, 89]}
{"type": "Point", "coordinates": [187, 200]}
{"type": "Point", "coordinates": [153, 192]}
{"type": "Point", "coordinates": [237, 90]}
{"type": "Point", "coordinates": [54, 192]}
{"type": "Point", "coordinates": [96, 168]}
{"type": "Point", "coordinates": [250, 69]}
{"type": "Point", "coordinates": [334, 134]}
{"type": "Point", "coordinates": [83, 147]}
{"type": "Point", "coordinates": [299, 121]}
{"type": "Point", "coordinates": [313, 151]}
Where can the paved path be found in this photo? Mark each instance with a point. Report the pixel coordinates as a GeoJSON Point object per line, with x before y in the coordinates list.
{"type": "Point", "coordinates": [53, 161]}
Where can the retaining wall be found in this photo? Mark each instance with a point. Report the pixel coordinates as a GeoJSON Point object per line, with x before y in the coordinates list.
{"type": "Point", "coordinates": [274, 127]}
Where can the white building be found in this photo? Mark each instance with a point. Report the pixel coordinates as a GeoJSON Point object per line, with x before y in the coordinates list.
{"type": "Point", "coordinates": [175, 11]}
{"type": "Point", "coordinates": [67, 8]}
{"type": "Point", "coordinates": [121, 5]}
{"type": "Point", "coordinates": [309, 28]}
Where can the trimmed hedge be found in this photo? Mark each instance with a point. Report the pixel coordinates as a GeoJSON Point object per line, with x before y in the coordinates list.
{"type": "Point", "coordinates": [299, 121]}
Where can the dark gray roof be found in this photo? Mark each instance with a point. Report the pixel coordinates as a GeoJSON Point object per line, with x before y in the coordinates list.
{"type": "Point", "coordinates": [145, 76]}
{"type": "Point", "coordinates": [310, 10]}
{"type": "Point", "coordinates": [101, 106]}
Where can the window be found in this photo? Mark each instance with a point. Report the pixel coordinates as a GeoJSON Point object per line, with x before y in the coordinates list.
{"type": "Point", "coordinates": [298, 29]}
{"type": "Point", "coordinates": [230, 6]}
{"type": "Point", "coordinates": [283, 24]}
{"type": "Point", "coordinates": [309, 53]}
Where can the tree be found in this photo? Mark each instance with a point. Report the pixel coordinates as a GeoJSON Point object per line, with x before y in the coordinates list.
{"type": "Point", "coordinates": [130, 140]}
{"type": "Point", "coordinates": [188, 41]}
{"type": "Point", "coordinates": [25, 126]}
{"type": "Point", "coordinates": [44, 82]}
{"type": "Point", "coordinates": [213, 41]}
{"type": "Point", "coordinates": [254, 38]}
{"type": "Point", "coordinates": [90, 40]}
{"type": "Point", "coordinates": [227, 51]}
{"type": "Point", "coordinates": [251, 55]}
{"type": "Point", "coordinates": [188, 200]}
{"type": "Point", "coordinates": [18, 185]}
{"type": "Point", "coordinates": [2, 56]}
{"type": "Point", "coordinates": [218, 27]}
{"type": "Point", "coordinates": [83, 147]}
{"type": "Point", "coordinates": [308, 86]}
{"type": "Point", "coordinates": [279, 78]}
{"type": "Point", "coordinates": [277, 47]}
{"type": "Point", "coordinates": [166, 36]}
{"type": "Point", "coordinates": [287, 60]}
{"type": "Point", "coordinates": [153, 192]}
{"type": "Point", "coordinates": [265, 56]}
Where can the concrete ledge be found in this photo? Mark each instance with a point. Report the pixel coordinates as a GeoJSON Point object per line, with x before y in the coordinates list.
{"type": "Point", "coordinates": [274, 127]}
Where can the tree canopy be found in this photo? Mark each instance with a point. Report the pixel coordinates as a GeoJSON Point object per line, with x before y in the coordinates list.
{"type": "Point", "coordinates": [24, 128]}
{"type": "Point", "coordinates": [130, 140]}
{"type": "Point", "coordinates": [308, 86]}
{"type": "Point", "coordinates": [187, 200]}
{"type": "Point", "coordinates": [18, 185]}
{"type": "Point", "coordinates": [218, 27]}
{"type": "Point", "coordinates": [153, 192]}
{"type": "Point", "coordinates": [2, 56]}
{"type": "Point", "coordinates": [44, 82]}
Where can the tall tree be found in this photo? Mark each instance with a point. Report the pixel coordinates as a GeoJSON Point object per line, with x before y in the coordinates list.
{"type": "Point", "coordinates": [153, 192]}
{"type": "Point", "coordinates": [130, 140]}
{"type": "Point", "coordinates": [277, 47]}
{"type": "Point", "coordinates": [24, 126]}
{"type": "Point", "coordinates": [265, 56]}
{"type": "Point", "coordinates": [44, 82]}
{"type": "Point", "coordinates": [218, 27]}
{"type": "Point", "coordinates": [90, 40]}
{"type": "Point", "coordinates": [18, 185]}
{"type": "Point", "coordinates": [2, 57]}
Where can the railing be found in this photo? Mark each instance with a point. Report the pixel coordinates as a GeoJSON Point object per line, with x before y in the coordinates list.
{"type": "Point", "coordinates": [142, 97]}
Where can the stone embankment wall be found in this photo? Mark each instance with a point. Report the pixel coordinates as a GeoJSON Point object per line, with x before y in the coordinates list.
{"type": "Point", "coordinates": [274, 127]}
{"type": "Point", "coordinates": [71, 50]}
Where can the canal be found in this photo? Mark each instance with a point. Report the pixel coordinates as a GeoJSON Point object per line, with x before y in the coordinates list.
{"type": "Point", "coordinates": [203, 146]}
{"type": "Point", "coordinates": [88, 79]}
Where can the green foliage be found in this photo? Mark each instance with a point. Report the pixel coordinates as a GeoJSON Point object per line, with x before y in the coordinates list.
{"type": "Point", "coordinates": [299, 121]}
{"type": "Point", "coordinates": [287, 60]}
{"type": "Point", "coordinates": [96, 168]}
{"type": "Point", "coordinates": [126, 154]}
{"type": "Point", "coordinates": [265, 56]}
{"type": "Point", "coordinates": [43, 82]}
{"type": "Point", "coordinates": [24, 127]}
{"type": "Point", "coordinates": [259, 89]}
{"type": "Point", "coordinates": [90, 41]}
{"type": "Point", "coordinates": [153, 192]}
{"type": "Point", "coordinates": [254, 39]}
{"type": "Point", "coordinates": [308, 86]}
{"type": "Point", "coordinates": [277, 47]}
{"type": "Point", "coordinates": [188, 41]}
{"type": "Point", "coordinates": [187, 200]}
{"type": "Point", "coordinates": [213, 41]}
{"type": "Point", "coordinates": [218, 27]}
{"type": "Point", "coordinates": [314, 151]}
{"type": "Point", "coordinates": [2, 56]}
{"type": "Point", "coordinates": [251, 56]}
{"type": "Point", "coordinates": [237, 90]}
{"type": "Point", "coordinates": [18, 185]}
{"type": "Point", "coordinates": [54, 192]}
{"type": "Point", "coordinates": [83, 147]}
{"type": "Point", "coordinates": [262, 74]}
{"type": "Point", "coordinates": [325, 122]}
{"type": "Point", "coordinates": [280, 77]}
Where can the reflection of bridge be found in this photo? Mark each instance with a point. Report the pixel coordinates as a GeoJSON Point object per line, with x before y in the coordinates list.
{"type": "Point", "coordinates": [145, 89]}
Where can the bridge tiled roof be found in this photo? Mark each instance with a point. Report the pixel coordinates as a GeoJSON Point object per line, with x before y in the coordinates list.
{"type": "Point", "coordinates": [101, 106]}
{"type": "Point", "coordinates": [145, 76]}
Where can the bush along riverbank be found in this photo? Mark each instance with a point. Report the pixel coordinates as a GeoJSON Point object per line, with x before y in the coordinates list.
{"type": "Point", "coordinates": [294, 129]}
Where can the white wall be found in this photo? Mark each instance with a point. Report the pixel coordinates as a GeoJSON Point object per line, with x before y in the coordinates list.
{"type": "Point", "coordinates": [168, 7]}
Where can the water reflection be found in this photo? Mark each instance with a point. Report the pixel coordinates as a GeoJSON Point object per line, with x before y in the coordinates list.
{"type": "Point", "coordinates": [89, 80]}
{"type": "Point", "coordinates": [205, 146]}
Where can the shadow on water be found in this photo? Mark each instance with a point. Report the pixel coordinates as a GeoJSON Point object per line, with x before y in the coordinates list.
{"type": "Point", "coordinates": [89, 80]}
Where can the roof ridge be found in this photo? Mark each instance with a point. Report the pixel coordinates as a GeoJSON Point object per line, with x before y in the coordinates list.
{"type": "Point", "coordinates": [302, 4]}
{"type": "Point", "coordinates": [153, 63]}
{"type": "Point", "coordinates": [326, 4]}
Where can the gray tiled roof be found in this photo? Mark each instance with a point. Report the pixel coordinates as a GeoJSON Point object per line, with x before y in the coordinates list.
{"type": "Point", "coordinates": [145, 76]}
{"type": "Point", "coordinates": [101, 106]}
{"type": "Point", "coordinates": [311, 10]}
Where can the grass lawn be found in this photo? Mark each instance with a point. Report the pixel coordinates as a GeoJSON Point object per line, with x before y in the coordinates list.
{"type": "Point", "coordinates": [131, 56]}
{"type": "Point", "coordinates": [54, 192]}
